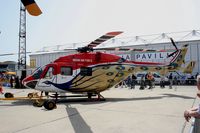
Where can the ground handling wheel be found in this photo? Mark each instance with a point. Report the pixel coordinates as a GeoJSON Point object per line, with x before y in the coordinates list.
{"type": "Point", "coordinates": [30, 95]}
{"type": "Point", "coordinates": [33, 94]}
{"type": "Point", "coordinates": [8, 95]}
{"type": "Point", "coordinates": [38, 103]}
{"type": "Point", "coordinates": [50, 104]}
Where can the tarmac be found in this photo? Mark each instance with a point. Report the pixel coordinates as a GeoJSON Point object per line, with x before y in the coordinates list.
{"type": "Point", "coordinates": [124, 111]}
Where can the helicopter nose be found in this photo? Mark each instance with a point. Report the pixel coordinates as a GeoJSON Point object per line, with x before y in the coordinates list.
{"type": "Point", "coordinates": [29, 82]}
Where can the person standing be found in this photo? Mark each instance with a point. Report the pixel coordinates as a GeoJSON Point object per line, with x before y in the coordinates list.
{"type": "Point", "coordinates": [1, 87]}
{"type": "Point", "coordinates": [170, 81]}
{"type": "Point", "coordinates": [11, 82]}
{"type": "Point", "coordinates": [134, 78]}
{"type": "Point", "coordinates": [194, 111]}
{"type": "Point", "coordinates": [142, 83]}
{"type": "Point", "coordinates": [150, 79]}
{"type": "Point", "coordinates": [129, 81]}
{"type": "Point", "coordinates": [162, 82]}
{"type": "Point", "coordinates": [146, 81]}
{"type": "Point", "coordinates": [17, 85]}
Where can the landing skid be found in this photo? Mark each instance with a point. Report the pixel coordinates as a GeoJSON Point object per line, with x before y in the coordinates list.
{"type": "Point", "coordinates": [100, 97]}
{"type": "Point", "coordinates": [53, 96]}
{"type": "Point", "coordinates": [89, 95]}
{"type": "Point", "coordinates": [50, 104]}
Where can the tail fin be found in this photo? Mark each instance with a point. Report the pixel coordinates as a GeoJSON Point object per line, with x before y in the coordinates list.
{"type": "Point", "coordinates": [178, 59]}
{"type": "Point", "coordinates": [189, 67]}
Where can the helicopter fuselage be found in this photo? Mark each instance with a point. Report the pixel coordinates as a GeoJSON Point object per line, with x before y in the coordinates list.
{"type": "Point", "coordinates": [91, 72]}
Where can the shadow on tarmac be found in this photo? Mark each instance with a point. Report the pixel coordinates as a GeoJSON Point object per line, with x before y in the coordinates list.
{"type": "Point", "coordinates": [17, 103]}
{"type": "Point", "coordinates": [78, 123]}
{"type": "Point", "coordinates": [86, 101]}
{"type": "Point", "coordinates": [177, 96]}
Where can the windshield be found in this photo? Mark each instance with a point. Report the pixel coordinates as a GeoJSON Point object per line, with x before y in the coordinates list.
{"type": "Point", "coordinates": [37, 73]}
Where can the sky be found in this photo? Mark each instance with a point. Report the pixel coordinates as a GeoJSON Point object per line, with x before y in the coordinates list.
{"type": "Point", "coordinates": [64, 22]}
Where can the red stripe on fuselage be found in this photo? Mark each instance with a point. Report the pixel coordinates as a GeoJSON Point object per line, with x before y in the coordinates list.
{"type": "Point", "coordinates": [144, 63]}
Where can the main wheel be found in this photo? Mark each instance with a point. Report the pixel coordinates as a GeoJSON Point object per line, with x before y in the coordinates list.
{"type": "Point", "coordinates": [49, 104]}
{"type": "Point", "coordinates": [8, 95]}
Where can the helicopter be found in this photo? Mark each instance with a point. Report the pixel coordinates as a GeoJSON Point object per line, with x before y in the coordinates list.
{"type": "Point", "coordinates": [89, 72]}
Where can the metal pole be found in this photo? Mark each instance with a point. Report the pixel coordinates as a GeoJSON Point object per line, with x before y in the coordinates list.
{"type": "Point", "coordinates": [192, 125]}
{"type": "Point", "coordinates": [22, 39]}
{"type": "Point", "coordinates": [198, 56]}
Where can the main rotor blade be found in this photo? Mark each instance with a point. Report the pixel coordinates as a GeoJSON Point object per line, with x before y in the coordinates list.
{"type": "Point", "coordinates": [126, 49]}
{"type": "Point", "coordinates": [113, 49]}
{"type": "Point", "coordinates": [31, 7]}
{"type": "Point", "coordinates": [104, 38]}
{"type": "Point", "coordinates": [7, 54]}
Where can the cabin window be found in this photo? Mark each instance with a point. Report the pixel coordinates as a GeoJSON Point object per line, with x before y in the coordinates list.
{"type": "Point", "coordinates": [66, 71]}
{"type": "Point", "coordinates": [86, 71]}
{"type": "Point", "coordinates": [49, 73]}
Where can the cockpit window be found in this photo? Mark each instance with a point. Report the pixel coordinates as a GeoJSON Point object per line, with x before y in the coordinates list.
{"type": "Point", "coordinates": [37, 73]}
{"type": "Point", "coordinates": [121, 60]}
{"type": "Point", "coordinates": [49, 73]}
{"type": "Point", "coordinates": [67, 71]}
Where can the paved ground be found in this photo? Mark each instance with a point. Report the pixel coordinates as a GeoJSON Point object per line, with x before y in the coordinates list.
{"type": "Point", "coordinates": [124, 111]}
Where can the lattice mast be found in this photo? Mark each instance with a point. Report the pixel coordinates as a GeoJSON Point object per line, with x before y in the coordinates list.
{"type": "Point", "coordinates": [22, 39]}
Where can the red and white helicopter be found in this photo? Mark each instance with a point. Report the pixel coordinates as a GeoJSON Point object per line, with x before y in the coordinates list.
{"type": "Point", "coordinates": [89, 72]}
